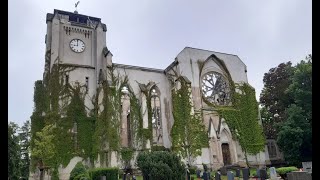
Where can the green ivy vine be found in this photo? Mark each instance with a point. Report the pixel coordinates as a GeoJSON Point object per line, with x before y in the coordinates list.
{"type": "Point", "coordinates": [188, 131]}
{"type": "Point", "coordinates": [51, 106]}
{"type": "Point", "coordinates": [242, 115]}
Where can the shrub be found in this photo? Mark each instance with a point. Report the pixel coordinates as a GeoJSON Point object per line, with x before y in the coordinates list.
{"type": "Point", "coordinates": [159, 148]}
{"type": "Point", "coordinates": [110, 173]}
{"type": "Point", "coordinates": [253, 172]}
{"type": "Point", "coordinates": [83, 176]}
{"type": "Point", "coordinates": [78, 169]}
{"type": "Point", "coordinates": [160, 171]}
{"type": "Point", "coordinates": [167, 163]}
{"type": "Point", "coordinates": [285, 170]}
{"type": "Point", "coordinates": [192, 170]}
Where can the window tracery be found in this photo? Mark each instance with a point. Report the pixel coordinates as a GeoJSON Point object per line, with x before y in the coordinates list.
{"type": "Point", "coordinates": [215, 88]}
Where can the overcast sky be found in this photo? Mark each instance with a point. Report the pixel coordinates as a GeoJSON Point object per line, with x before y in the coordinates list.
{"type": "Point", "coordinates": [151, 33]}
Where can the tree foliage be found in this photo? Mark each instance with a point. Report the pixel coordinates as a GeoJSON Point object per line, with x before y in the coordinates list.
{"type": "Point", "coordinates": [274, 97]}
{"type": "Point", "coordinates": [24, 137]}
{"type": "Point", "coordinates": [286, 111]}
{"type": "Point", "coordinates": [13, 152]}
{"type": "Point", "coordinates": [44, 149]}
{"type": "Point", "coordinates": [295, 134]}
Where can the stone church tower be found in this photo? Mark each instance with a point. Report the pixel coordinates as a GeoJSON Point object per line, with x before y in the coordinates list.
{"type": "Point", "coordinates": [79, 41]}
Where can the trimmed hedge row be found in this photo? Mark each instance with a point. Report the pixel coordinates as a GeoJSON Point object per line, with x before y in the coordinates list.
{"type": "Point", "coordinates": [285, 170]}
{"type": "Point", "coordinates": [110, 173]}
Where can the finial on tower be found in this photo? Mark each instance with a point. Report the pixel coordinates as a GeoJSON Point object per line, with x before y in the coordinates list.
{"type": "Point", "coordinates": [76, 5]}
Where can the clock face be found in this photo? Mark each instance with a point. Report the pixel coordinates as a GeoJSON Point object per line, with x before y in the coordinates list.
{"type": "Point", "coordinates": [77, 45]}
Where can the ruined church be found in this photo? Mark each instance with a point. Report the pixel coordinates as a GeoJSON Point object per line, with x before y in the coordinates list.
{"type": "Point", "coordinates": [78, 42]}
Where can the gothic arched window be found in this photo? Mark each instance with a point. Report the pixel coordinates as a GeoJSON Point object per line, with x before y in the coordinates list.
{"type": "Point", "coordinates": [156, 114]}
{"type": "Point", "coordinates": [155, 105]}
{"type": "Point", "coordinates": [215, 88]}
{"type": "Point", "coordinates": [126, 135]}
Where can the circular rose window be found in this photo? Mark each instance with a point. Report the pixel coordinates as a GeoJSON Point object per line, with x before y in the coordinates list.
{"type": "Point", "coordinates": [215, 88]}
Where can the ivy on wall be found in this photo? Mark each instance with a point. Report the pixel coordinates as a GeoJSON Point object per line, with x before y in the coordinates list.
{"type": "Point", "coordinates": [242, 115]}
{"type": "Point", "coordinates": [62, 105]}
{"type": "Point", "coordinates": [243, 119]}
{"type": "Point", "coordinates": [37, 120]}
{"type": "Point", "coordinates": [126, 154]}
{"type": "Point", "coordinates": [188, 131]}
{"type": "Point", "coordinates": [136, 120]}
{"type": "Point", "coordinates": [147, 132]}
{"type": "Point", "coordinates": [107, 125]}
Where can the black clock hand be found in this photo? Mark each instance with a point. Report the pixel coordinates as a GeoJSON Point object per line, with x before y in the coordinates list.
{"type": "Point", "coordinates": [77, 41]}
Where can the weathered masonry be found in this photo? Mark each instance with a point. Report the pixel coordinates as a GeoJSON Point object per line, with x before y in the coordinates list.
{"type": "Point", "coordinates": [127, 109]}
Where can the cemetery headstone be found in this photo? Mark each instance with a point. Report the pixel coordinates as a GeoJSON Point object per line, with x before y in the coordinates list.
{"type": "Point", "coordinates": [299, 175]}
{"type": "Point", "coordinates": [205, 176]}
{"type": "Point", "coordinates": [263, 174]}
{"type": "Point", "coordinates": [103, 177]}
{"type": "Point", "coordinates": [258, 172]}
{"type": "Point", "coordinates": [230, 175]}
{"type": "Point", "coordinates": [198, 172]}
{"type": "Point", "coordinates": [223, 171]}
{"type": "Point", "coordinates": [237, 172]}
{"type": "Point", "coordinates": [217, 176]}
{"type": "Point", "coordinates": [245, 173]}
{"type": "Point", "coordinates": [273, 173]}
{"type": "Point", "coordinates": [307, 166]}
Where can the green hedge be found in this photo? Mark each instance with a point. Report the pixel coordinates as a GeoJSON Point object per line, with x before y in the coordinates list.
{"type": "Point", "coordinates": [84, 176]}
{"type": "Point", "coordinates": [78, 169]}
{"type": "Point", "coordinates": [154, 165]}
{"type": "Point", "coordinates": [110, 173]}
{"type": "Point", "coordinates": [285, 170]}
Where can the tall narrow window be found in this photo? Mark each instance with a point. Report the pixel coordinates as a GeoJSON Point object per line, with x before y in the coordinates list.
{"type": "Point", "coordinates": [156, 115]}
{"type": "Point", "coordinates": [87, 83]}
{"type": "Point", "coordinates": [100, 77]}
{"type": "Point", "coordinates": [67, 79]}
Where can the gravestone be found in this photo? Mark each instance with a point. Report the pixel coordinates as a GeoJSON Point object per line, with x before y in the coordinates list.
{"type": "Point", "coordinates": [263, 174]}
{"type": "Point", "coordinates": [273, 173]}
{"type": "Point", "coordinates": [217, 176]}
{"type": "Point", "coordinates": [307, 166]}
{"type": "Point", "coordinates": [198, 172]}
{"type": "Point", "coordinates": [230, 175]}
{"type": "Point", "coordinates": [205, 175]}
{"type": "Point", "coordinates": [237, 172]}
{"type": "Point", "coordinates": [299, 175]}
{"type": "Point", "coordinates": [258, 172]}
{"type": "Point", "coordinates": [103, 177]}
{"type": "Point", "coordinates": [223, 171]}
{"type": "Point", "coordinates": [245, 173]}
{"type": "Point", "coordinates": [209, 174]}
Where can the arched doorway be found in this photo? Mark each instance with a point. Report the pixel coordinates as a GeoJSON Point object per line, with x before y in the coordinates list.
{"type": "Point", "coordinates": [226, 154]}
